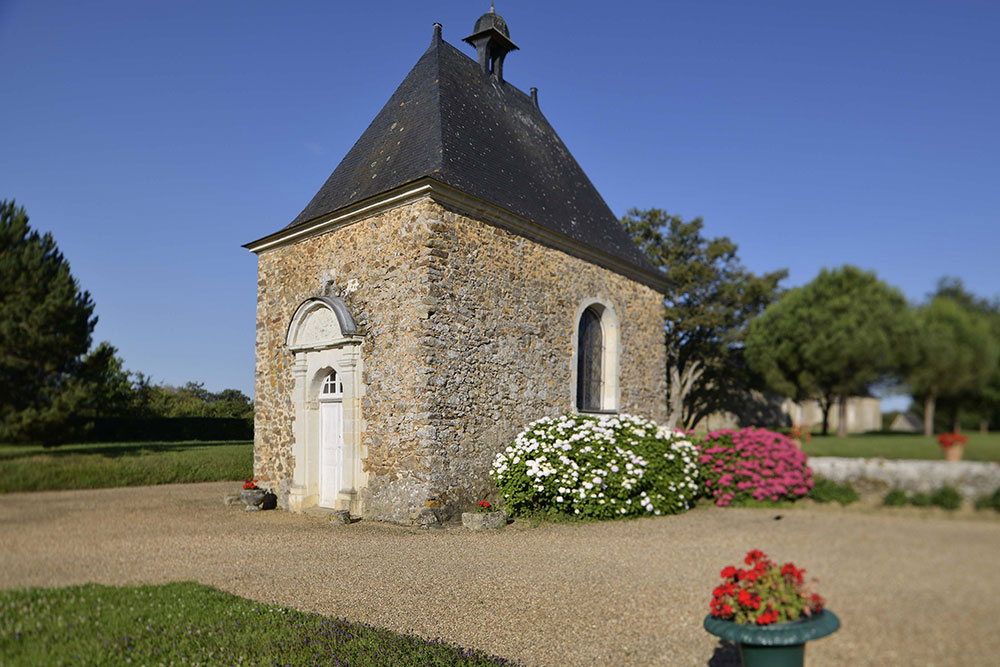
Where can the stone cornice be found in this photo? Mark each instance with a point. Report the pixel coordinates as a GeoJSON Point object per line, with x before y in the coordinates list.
{"type": "Point", "coordinates": [456, 199]}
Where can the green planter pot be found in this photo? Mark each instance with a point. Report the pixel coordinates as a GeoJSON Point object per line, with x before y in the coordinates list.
{"type": "Point", "coordinates": [776, 645]}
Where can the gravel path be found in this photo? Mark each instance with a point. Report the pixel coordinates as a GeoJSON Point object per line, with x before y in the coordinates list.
{"type": "Point", "coordinates": [911, 587]}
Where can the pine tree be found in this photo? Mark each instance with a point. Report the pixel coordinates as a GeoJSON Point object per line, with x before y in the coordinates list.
{"type": "Point", "coordinates": [46, 323]}
{"type": "Point", "coordinates": [833, 338]}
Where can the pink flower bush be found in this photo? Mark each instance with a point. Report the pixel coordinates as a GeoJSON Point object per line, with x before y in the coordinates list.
{"type": "Point", "coordinates": [753, 464]}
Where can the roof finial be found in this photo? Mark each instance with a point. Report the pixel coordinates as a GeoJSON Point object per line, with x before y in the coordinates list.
{"type": "Point", "coordinates": [491, 38]}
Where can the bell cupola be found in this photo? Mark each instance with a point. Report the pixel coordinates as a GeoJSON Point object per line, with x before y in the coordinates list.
{"type": "Point", "coordinates": [491, 37]}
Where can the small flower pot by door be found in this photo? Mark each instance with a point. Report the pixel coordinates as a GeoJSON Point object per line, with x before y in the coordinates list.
{"type": "Point", "coordinates": [252, 497]}
{"type": "Point", "coordinates": [954, 453]}
{"type": "Point", "coordinates": [484, 520]}
{"type": "Point", "coordinates": [775, 645]}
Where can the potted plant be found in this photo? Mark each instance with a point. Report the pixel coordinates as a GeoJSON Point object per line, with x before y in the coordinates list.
{"type": "Point", "coordinates": [800, 433]}
{"type": "Point", "coordinates": [769, 611]}
{"type": "Point", "coordinates": [486, 517]}
{"type": "Point", "coordinates": [252, 495]}
{"type": "Point", "coordinates": [953, 444]}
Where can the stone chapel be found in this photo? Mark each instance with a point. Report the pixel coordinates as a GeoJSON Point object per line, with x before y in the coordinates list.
{"type": "Point", "coordinates": [456, 277]}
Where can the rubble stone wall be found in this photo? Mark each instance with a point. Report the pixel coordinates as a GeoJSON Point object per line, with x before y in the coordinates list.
{"type": "Point", "coordinates": [378, 266]}
{"type": "Point", "coordinates": [503, 324]}
{"type": "Point", "coordinates": [468, 332]}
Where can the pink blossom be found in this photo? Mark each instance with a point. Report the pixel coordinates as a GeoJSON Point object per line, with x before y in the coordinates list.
{"type": "Point", "coordinates": [753, 463]}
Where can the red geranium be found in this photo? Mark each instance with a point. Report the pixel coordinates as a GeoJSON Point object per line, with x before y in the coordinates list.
{"type": "Point", "coordinates": [947, 440]}
{"type": "Point", "coordinates": [249, 484]}
{"type": "Point", "coordinates": [766, 593]}
{"type": "Point", "coordinates": [484, 506]}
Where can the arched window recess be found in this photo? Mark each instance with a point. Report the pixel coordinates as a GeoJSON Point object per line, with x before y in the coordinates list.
{"type": "Point", "coordinates": [596, 359]}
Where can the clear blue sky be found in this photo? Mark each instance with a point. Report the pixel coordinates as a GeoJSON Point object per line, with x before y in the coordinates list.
{"type": "Point", "coordinates": [154, 138]}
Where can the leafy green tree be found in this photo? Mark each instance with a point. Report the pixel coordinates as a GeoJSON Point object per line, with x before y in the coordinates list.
{"type": "Point", "coordinates": [707, 307]}
{"type": "Point", "coordinates": [110, 387]}
{"type": "Point", "coordinates": [46, 322]}
{"type": "Point", "coordinates": [957, 355]}
{"type": "Point", "coordinates": [193, 400]}
{"type": "Point", "coordinates": [983, 402]}
{"type": "Point", "coordinates": [832, 338]}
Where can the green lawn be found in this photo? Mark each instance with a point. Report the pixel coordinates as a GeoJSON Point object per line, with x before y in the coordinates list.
{"type": "Point", "coordinates": [902, 446]}
{"type": "Point", "coordinates": [187, 623]}
{"type": "Point", "coordinates": [87, 466]}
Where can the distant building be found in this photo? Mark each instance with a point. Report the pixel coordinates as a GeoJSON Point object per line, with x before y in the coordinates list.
{"type": "Point", "coordinates": [863, 414]}
{"type": "Point", "coordinates": [907, 422]}
{"type": "Point", "coordinates": [456, 277]}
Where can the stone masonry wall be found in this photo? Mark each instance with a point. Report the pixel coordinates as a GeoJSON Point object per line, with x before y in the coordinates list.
{"type": "Point", "coordinates": [502, 325]}
{"type": "Point", "coordinates": [468, 337]}
{"type": "Point", "coordinates": [875, 476]}
{"type": "Point", "coordinates": [378, 266]}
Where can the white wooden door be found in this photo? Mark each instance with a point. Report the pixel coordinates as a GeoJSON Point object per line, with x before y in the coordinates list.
{"type": "Point", "coordinates": [331, 451]}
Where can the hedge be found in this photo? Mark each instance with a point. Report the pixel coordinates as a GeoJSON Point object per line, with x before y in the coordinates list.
{"type": "Point", "coordinates": [169, 429]}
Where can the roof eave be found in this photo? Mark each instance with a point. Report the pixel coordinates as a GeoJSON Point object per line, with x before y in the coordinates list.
{"type": "Point", "coordinates": [455, 198]}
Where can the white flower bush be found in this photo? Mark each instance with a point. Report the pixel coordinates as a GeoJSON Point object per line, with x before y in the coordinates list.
{"type": "Point", "coordinates": [606, 467]}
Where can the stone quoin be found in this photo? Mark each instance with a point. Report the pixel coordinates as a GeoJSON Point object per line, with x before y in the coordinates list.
{"type": "Point", "coordinates": [456, 277]}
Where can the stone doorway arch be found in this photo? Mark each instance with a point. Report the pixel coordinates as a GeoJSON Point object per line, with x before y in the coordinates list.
{"type": "Point", "coordinates": [325, 340]}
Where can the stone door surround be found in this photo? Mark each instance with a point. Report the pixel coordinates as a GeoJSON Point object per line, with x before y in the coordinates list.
{"type": "Point", "coordinates": [324, 337]}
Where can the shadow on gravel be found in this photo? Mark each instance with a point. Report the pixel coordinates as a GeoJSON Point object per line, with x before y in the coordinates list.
{"type": "Point", "coordinates": [726, 654]}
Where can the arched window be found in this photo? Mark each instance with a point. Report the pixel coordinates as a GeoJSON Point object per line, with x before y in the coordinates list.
{"type": "Point", "coordinates": [332, 386]}
{"type": "Point", "coordinates": [590, 362]}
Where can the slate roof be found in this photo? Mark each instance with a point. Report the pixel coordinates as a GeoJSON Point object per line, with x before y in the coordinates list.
{"type": "Point", "coordinates": [453, 123]}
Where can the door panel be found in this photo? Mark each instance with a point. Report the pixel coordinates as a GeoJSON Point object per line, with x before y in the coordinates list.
{"type": "Point", "coordinates": [331, 451]}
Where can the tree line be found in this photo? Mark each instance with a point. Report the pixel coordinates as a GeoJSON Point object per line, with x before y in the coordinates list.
{"type": "Point", "coordinates": [53, 382]}
{"type": "Point", "coordinates": [731, 333]}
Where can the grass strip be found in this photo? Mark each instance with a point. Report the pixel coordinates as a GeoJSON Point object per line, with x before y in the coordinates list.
{"type": "Point", "coordinates": [981, 447]}
{"type": "Point", "coordinates": [88, 466]}
{"type": "Point", "coordinates": [187, 623]}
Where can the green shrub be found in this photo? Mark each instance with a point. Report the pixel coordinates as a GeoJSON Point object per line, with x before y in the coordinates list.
{"type": "Point", "coordinates": [826, 490]}
{"type": "Point", "coordinates": [921, 499]}
{"type": "Point", "coordinates": [170, 429]}
{"type": "Point", "coordinates": [990, 501]}
{"type": "Point", "coordinates": [607, 467]}
{"type": "Point", "coordinates": [894, 498]}
{"type": "Point", "coordinates": [947, 497]}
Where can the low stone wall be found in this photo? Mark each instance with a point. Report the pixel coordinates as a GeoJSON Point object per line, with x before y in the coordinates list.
{"type": "Point", "coordinates": [972, 478]}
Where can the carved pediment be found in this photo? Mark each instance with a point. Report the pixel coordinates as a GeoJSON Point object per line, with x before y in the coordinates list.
{"type": "Point", "coordinates": [320, 322]}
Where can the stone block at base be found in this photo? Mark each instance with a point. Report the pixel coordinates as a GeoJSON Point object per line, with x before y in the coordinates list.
{"type": "Point", "coordinates": [340, 517]}
{"type": "Point", "coordinates": [484, 520]}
